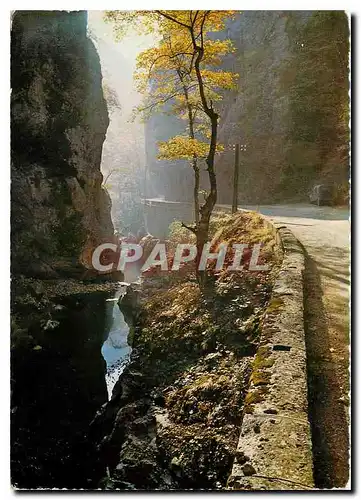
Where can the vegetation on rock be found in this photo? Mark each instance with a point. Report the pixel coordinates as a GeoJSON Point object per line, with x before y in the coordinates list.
{"type": "Point", "coordinates": [174, 418]}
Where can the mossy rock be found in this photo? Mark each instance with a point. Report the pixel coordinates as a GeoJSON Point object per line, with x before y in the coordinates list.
{"type": "Point", "coordinates": [274, 305]}
{"type": "Point", "coordinates": [253, 397]}
{"type": "Point", "coordinates": [260, 377]}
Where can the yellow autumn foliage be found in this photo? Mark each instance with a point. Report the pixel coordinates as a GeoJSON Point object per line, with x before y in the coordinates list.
{"type": "Point", "coordinates": [184, 148]}
{"type": "Point", "coordinates": [158, 68]}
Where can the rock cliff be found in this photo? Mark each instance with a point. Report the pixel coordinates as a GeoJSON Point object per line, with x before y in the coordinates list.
{"type": "Point", "coordinates": [59, 120]}
{"type": "Point", "coordinates": [290, 110]}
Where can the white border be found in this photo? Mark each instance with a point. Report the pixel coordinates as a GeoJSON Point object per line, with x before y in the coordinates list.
{"type": "Point", "coordinates": [350, 6]}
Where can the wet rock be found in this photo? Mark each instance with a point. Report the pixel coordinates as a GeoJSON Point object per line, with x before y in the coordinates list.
{"type": "Point", "coordinates": [129, 304]}
{"type": "Point", "coordinates": [271, 411]}
{"type": "Point", "coordinates": [248, 470]}
{"type": "Point", "coordinates": [131, 385]}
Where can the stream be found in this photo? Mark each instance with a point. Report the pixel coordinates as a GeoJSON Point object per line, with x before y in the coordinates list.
{"type": "Point", "coordinates": [62, 372]}
{"type": "Point", "coordinates": [58, 386]}
{"type": "Point", "coordinates": [115, 349]}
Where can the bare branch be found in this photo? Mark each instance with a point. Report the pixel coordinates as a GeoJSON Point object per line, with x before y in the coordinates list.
{"type": "Point", "coordinates": [109, 174]}
{"type": "Point", "coordinates": [167, 16]}
{"type": "Point", "coordinates": [202, 26]}
{"type": "Point", "coordinates": [164, 100]}
{"type": "Point", "coordinates": [169, 57]}
{"type": "Point", "coordinates": [190, 228]}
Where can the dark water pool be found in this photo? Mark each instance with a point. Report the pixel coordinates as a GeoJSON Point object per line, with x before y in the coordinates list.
{"type": "Point", "coordinates": [58, 387]}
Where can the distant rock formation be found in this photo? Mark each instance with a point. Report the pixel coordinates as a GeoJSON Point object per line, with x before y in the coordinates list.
{"type": "Point", "coordinates": [290, 110]}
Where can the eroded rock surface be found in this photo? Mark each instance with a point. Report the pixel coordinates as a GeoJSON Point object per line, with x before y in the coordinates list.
{"type": "Point", "coordinates": [59, 119]}
{"type": "Point", "coordinates": [60, 213]}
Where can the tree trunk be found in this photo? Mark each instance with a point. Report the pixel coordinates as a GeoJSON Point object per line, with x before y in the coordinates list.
{"type": "Point", "coordinates": [196, 191]}
{"type": "Point", "coordinates": [235, 180]}
{"type": "Point", "coordinates": [207, 209]}
{"type": "Point", "coordinates": [194, 163]}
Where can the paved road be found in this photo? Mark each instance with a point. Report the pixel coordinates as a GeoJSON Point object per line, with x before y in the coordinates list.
{"type": "Point", "coordinates": [325, 234]}
{"type": "Point", "coordinates": [315, 226]}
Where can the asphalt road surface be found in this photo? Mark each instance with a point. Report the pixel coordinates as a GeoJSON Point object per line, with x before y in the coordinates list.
{"type": "Point", "coordinates": [324, 233]}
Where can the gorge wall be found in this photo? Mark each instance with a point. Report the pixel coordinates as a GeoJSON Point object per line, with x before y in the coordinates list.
{"type": "Point", "coordinates": [290, 109]}
{"type": "Point", "coordinates": [59, 120]}
{"type": "Point", "coordinates": [60, 212]}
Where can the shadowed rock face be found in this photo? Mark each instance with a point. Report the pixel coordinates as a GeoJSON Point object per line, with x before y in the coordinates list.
{"type": "Point", "coordinates": [58, 123]}
{"type": "Point", "coordinates": [277, 54]}
{"type": "Point", "coordinates": [60, 213]}
{"type": "Point", "coordinates": [57, 387]}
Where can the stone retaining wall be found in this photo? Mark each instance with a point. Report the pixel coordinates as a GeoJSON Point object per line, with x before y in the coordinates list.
{"type": "Point", "coordinates": [274, 449]}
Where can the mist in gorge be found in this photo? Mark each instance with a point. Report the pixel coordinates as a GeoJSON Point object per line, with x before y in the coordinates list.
{"type": "Point", "coordinates": [123, 158]}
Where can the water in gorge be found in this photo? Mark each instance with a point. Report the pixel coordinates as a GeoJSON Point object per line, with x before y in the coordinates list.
{"type": "Point", "coordinates": [57, 389]}
{"type": "Point", "coordinates": [59, 386]}
{"type": "Point", "coordinates": [115, 349]}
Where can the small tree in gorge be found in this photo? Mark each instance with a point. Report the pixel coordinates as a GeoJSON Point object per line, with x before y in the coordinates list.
{"type": "Point", "coordinates": [178, 69]}
{"type": "Point", "coordinates": [172, 77]}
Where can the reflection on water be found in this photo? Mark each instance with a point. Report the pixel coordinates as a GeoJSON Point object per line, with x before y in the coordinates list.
{"type": "Point", "coordinates": [115, 349]}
